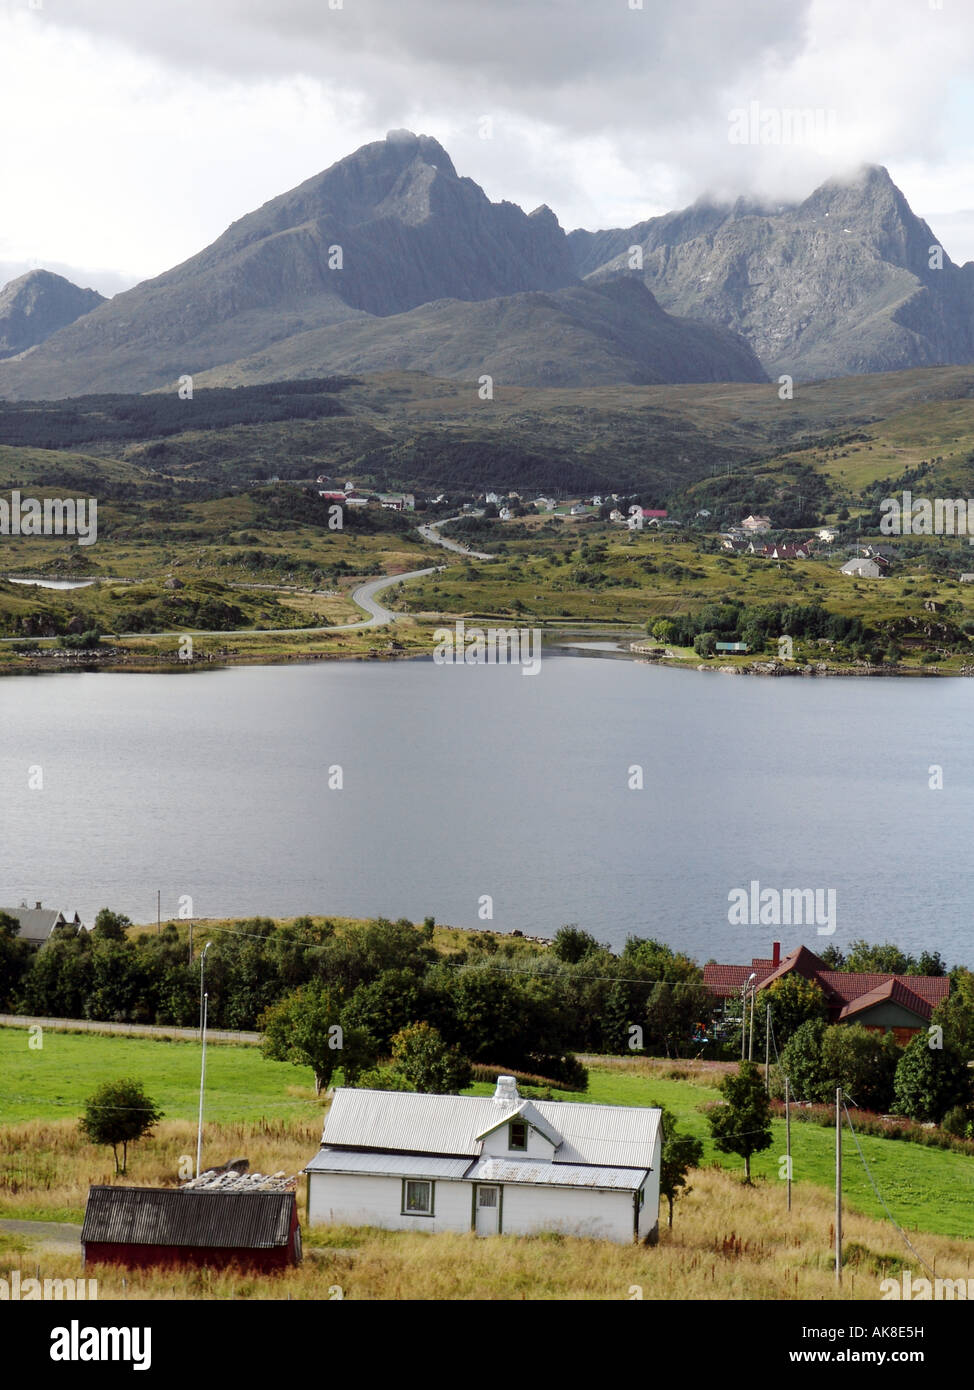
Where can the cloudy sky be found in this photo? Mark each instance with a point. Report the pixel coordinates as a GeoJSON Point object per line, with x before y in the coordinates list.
{"type": "Point", "coordinates": [135, 131]}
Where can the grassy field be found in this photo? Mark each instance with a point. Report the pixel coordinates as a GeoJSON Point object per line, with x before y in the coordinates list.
{"type": "Point", "coordinates": [251, 1101]}
{"type": "Point", "coordinates": [727, 1242]}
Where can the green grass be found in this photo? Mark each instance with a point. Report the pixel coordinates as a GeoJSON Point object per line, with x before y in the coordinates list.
{"type": "Point", "coordinates": [926, 1189]}
{"type": "Point", "coordinates": [52, 1082]}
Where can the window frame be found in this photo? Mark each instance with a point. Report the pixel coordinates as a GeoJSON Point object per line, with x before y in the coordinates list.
{"type": "Point", "coordinates": [517, 1148]}
{"type": "Point", "coordinates": [405, 1210]}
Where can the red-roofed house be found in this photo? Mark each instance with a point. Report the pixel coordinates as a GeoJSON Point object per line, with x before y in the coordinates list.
{"type": "Point", "coordinates": [902, 1004]}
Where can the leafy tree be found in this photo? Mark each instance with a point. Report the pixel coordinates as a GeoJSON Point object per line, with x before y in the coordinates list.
{"type": "Point", "coordinates": [673, 1011]}
{"type": "Point", "coordinates": [382, 1079]}
{"type": "Point", "coordinates": [863, 1063]}
{"type": "Point", "coordinates": [15, 958]}
{"type": "Point", "coordinates": [680, 1153]}
{"type": "Point", "coordinates": [660, 961]}
{"type": "Point", "coordinates": [793, 1000]}
{"type": "Point", "coordinates": [955, 1014]}
{"type": "Point", "coordinates": [930, 1081]}
{"type": "Point", "coordinates": [119, 1113]}
{"type": "Point", "coordinates": [305, 1029]}
{"type": "Point", "coordinates": [110, 926]}
{"type": "Point", "coordinates": [571, 944]}
{"type": "Point", "coordinates": [429, 1064]}
{"type": "Point", "coordinates": [886, 959]}
{"type": "Point", "coordinates": [929, 963]}
{"type": "Point", "coordinates": [742, 1125]}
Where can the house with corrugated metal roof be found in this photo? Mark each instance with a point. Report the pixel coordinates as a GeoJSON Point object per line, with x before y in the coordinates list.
{"type": "Point", "coordinates": [496, 1165]}
{"type": "Point", "coordinates": [37, 923]}
{"type": "Point", "coordinates": [145, 1227]}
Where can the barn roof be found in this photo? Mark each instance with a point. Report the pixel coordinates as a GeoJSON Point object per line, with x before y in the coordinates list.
{"type": "Point", "coordinates": [609, 1135]}
{"type": "Point", "coordinates": [173, 1216]}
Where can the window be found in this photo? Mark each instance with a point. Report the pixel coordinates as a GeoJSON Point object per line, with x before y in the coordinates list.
{"type": "Point", "coordinates": [518, 1135]}
{"type": "Point", "coordinates": [417, 1198]}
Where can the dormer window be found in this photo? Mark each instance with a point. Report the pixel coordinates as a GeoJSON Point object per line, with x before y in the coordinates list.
{"type": "Point", "coordinates": [517, 1137]}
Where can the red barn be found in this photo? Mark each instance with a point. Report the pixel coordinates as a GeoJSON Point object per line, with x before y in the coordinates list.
{"type": "Point", "coordinates": [146, 1227]}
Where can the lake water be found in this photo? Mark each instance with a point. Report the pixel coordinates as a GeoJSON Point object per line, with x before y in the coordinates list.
{"type": "Point", "coordinates": [467, 782]}
{"type": "Point", "coordinates": [55, 583]}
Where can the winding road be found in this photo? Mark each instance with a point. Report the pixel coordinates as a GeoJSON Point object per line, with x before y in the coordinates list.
{"type": "Point", "coordinates": [431, 533]}
{"type": "Point", "coordinates": [364, 596]}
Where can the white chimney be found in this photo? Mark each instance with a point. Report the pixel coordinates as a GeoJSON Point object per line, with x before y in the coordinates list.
{"type": "Point", "coordinates": [506, 1093]}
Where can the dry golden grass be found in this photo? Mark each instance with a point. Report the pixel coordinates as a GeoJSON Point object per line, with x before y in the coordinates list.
{"type": "Point", "coordinates": [697, 1071]}
{"type": "Point", "coordinates": [46, 1167]}
{"type": "Point", "coordinates": [729, 1241]}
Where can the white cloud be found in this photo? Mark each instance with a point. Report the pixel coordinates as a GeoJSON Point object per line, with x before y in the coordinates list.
{"type": "Point", "coordinates": [144, 129]}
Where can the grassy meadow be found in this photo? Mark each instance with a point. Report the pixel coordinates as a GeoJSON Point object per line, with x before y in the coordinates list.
{"type": "Point", "coordinates": [268, 1111]}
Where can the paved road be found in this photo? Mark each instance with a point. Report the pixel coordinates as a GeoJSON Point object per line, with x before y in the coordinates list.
{"type": "Point", "coordinates": [431, 533]}
{"type": "Point", "coordinates": [364, 596]}
{"type": "Point", "coordinates": [57, 1237]}
{"type": "Point", "coordinates": [132, 1030]}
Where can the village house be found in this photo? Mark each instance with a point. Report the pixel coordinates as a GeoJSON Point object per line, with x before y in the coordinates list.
{"type": "Point", "coordinates": [801, 551]}
{"type": "Point", "coordinates": [491, 1164]}
{"type": "Point", "coordinates": [863, 568]}
{"type": "Point", "coordinates": [902, 1004]}
{"type": "Point", "coordinates": [756, 523]}
{"type": "Point", "coordinates": [35, 924]}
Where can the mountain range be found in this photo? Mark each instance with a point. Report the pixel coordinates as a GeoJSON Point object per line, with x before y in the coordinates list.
{"type": "Point", "coordinates": [390, 260]}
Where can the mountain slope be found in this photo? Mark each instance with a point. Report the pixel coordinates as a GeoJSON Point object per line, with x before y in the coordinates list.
{"type": "Point", "coordinates": [602, 334]}
{"type": "Point", "coordinates": [409, 231]}
{"type": "Point", "coordinates": [839, 284]}
{"type": "Point", "coordinates": [37, 304]}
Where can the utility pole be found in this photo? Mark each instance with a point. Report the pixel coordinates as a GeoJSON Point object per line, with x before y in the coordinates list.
{"type": "Point", "coordinates": [191, 943]}
{"type": "Point", "coordinates": [838, 1186]}
{"type": "Point", "coordinates": [788, 1137]}
{"type": "Point", "coordinates": [158, 909]}
{"type": "Point", "coordinates": [199, 1132]}
{"type": "Point", "coordinates": [202, 996]}
{"type": "Point", "coordinates": [750, 1046]}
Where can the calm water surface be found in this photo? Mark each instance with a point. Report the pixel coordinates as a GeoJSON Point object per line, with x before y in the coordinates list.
{"type": "Point", "coordinates": [472, 781]}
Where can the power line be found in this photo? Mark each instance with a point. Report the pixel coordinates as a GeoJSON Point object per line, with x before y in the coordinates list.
{"type": "Point", "coordinates": [879, 1195]}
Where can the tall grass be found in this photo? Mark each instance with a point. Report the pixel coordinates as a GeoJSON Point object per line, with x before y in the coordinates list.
{"type": "Point", "coordinates": [728, 1242]}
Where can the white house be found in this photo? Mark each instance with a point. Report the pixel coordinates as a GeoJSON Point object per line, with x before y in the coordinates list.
{"type": "Point", "coordinates": [827, 534]}
{"type": "Point", "coordinates": [862, 569]}
{"type": "Point", "coordinates": [492, 1164]}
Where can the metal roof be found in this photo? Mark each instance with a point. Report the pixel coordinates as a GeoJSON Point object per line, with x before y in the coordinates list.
{"type": "Point", "coordinates": [556, 1174]}
{"type": "Point", "coordinates": [618, 1136]}
{"type": "Point", "coordinates": [173, 1216]}
{"type": "Point", "coordinates": [612, 1135]}
{"type": "Point", "coordinates": [525, 1111]}
{"type": "Point", "coordinates": [36, 923]}
{"type": "Point", "coordinates": [387, 1165]}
